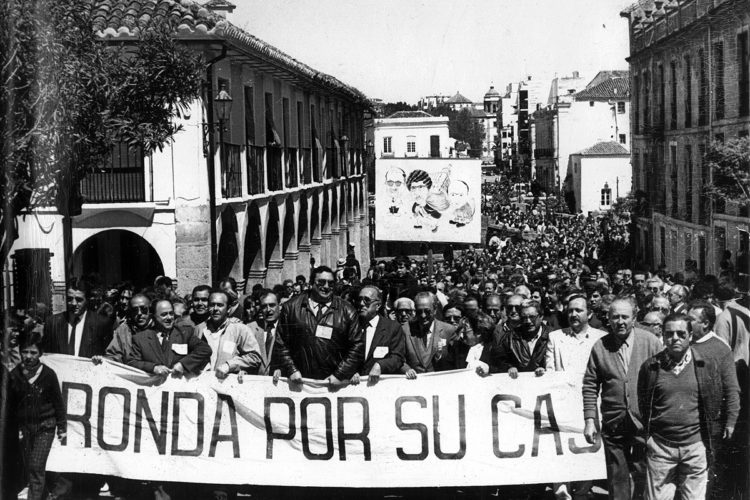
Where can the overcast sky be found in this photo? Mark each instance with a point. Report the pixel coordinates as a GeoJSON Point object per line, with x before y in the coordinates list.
{"type": "Point", "coordinates": [400, 50]}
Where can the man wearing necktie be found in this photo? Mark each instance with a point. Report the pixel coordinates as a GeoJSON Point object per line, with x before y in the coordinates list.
{"type": "Point", "coordinates": [385, 344]}
{"type": "Point", "coordinates": [613, 368]}
{"type": "Point", "coordinates": [319, 336]}
{"type": "Point", "coordinates": [265, 328]}
{"type": "Point", "coordinates": [427, 338]}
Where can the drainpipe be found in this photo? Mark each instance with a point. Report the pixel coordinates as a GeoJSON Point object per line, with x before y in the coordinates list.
{"type": "Point", "coordinates": [210, 163]}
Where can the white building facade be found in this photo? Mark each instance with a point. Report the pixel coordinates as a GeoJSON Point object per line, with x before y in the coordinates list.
{"type": "Point", "coordinates": [598, 176]}
{"type": "Point", "coordinates": [412, 134]}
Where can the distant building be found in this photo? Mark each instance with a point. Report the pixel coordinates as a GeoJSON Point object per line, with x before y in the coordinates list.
{"type": "Point", "coordinates": [412, 134]}
{"type": "Point", "coordinates": [432, 101]}
{"type": "Point", "coordinates": [508, 129]}
{"type": "Point", "coordinates": [690, 73]}
{"type": "Point", "coordinates": [597, 176]}
{"type": "Point", "coordinates": [579, 115]}
{"type": "Point", "coordinates": [531, 97]}
{"type": "Point", "coordinates": [459, 102]}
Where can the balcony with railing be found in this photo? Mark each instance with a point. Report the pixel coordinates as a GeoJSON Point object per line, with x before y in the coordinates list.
{"type": "Point", "coordinates": [231, 171]}
{"type": "Point", "coordinates": [332, 169]}
{"type": "Point", "coordinates": [121, 180]}
{"type": "Point", "coordinates": [544, 153]}
{"type": "Point", "coordinates": [275, 172]}
{"type": "Point", "coordinates": [292, 170]}
{"type": "Point", "coordinates": [343, 164]}
{"type": "Point", "coordinates": [256, 170]}
{"type": "Point", "coordinates": [316, 164]}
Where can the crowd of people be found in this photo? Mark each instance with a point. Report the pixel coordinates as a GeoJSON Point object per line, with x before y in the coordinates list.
{"type": "Point", "coordinates": [665, 354]}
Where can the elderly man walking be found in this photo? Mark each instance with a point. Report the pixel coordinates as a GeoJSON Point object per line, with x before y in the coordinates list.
{"type": "Point", "coordinates": [689, 402]}
{"type": "Point", "coordinates": [612, 370]}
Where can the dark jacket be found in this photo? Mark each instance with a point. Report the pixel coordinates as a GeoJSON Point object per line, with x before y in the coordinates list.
{"type": "Point", "coordinates": [424, 358]}
{"type": "Point", "coordinates": [619, 390]}
{"type": "Point", "coordinates": [32, 404]}
{"type": "Point", "coordinates": [147, 352]}
{"type": "Point", "coordinates": [389, 339]}
{"type": "Point", "coordinates": [718, 393]}
{"type": "Point", "coordinates": [97, 334]}
{"type": "Point", "coordinates": [301, 346]}
{"type": "Point", "coordinates": [511, 351]}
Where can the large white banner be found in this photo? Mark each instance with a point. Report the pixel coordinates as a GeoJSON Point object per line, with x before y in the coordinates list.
{"type": "Point", "coordinates": [428, 200]}
{"type": "Point", "coordinates": [442, 429]}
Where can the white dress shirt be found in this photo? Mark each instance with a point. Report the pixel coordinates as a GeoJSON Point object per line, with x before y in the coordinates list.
{"type": "Point", "coordinates": [370, 333]}
{"type": "Point", "coordinates": [79, 333]}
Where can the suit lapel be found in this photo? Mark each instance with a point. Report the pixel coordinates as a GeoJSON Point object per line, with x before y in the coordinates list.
{"type": "Point", "coordinates": [375, 337]}
{"type": "Point", "coordinates": [84, 350]}
{"type": "Point", "coordinates": [157, 347]}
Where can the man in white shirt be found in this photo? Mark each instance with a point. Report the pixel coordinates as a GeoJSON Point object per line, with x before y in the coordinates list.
{"type": "Point", "coordinates": [234, 348]}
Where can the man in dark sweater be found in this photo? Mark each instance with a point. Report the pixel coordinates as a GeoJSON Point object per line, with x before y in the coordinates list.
{"type": "Point", "coordinates": [686, 409]}
{"type": "Point", "coordinates": [613, 367]}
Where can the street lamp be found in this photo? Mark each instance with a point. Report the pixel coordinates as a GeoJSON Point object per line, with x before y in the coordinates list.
{"type": "Point", "coordinates": [223, 106]}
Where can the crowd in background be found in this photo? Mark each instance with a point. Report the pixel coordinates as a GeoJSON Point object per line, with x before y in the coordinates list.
{"type": "Point", "coordinates": [541, 279]}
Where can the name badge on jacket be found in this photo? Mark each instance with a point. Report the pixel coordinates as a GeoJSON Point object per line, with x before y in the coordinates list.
{"type": "Point", "coordinates": [380, 352]}
{"type": "Point", "coordinates": [180, 349]}
{"type": "Point", "coordinates": [324, 332]}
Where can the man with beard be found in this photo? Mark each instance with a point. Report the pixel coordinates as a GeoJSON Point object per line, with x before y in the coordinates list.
{"type": "Point", "coordinates": [613, 369]}
{"type": "Point", "coordinates": [265, 329]}
{"type": "Point", "coordinates": [385, 345]}
{"type": "Point", "coordinates": [234, 348]}
{"type": "Point", "coordinates": [426, 337]}
{"type": "Point", "coordinates": [523, 349]}
{"type": "Point", "coordinates": [320, 338]}
{"type": "Point", "coordinates": [138, 319]}
{"type": "Point", "coordinates": [166, 348]}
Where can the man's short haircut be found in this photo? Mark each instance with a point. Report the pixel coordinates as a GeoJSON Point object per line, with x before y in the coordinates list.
{"type": "Point", "coordinates": [156, 302]}
{"type": "Point", "coordinates": [453, 305]}
{"type": "Point", "coordinates": [125, 285]}
{"type": "Point", "coordinates": [218, 290]}
{"type": "Point", "coordinates": [678, 317]}
{"type": "Point", "coordinates": [528, 303]}
{"type": "Point", "coordinates": [301, 278]}
{"type": "Point", "coordinates": [493, 296]}
{"type": "Point", "coordinates": [707, 311]}
{"type": "Point", "coordinates": [577, 296]}
{"type": "Point", "coordinates": [378, 293]}
{"type": "Point", "coordinates": [403, 303]}
{"type": "Point", "coordinates": [199, 289]}
{"type": "Point", "coordinates": [629, 299]}
{"type": "Point", "coordinates": [140, 296]}
{"type": "Point", "coordinates": [165, 281]}
{"type": "Point", "coordinates": [266, 292]}
{"type": "Point", "coordinates": [429, 295]}
{"type": "Point", "coordinates": [320, 270]}
{"type": "Point", "coordinates": [418, 176]}
{"type": "Point", "coordinates": [81, 285]}
{"type": "Point", "coordinates": [28, 338]}
{"type": "Point", "coordinates": [232, 283]}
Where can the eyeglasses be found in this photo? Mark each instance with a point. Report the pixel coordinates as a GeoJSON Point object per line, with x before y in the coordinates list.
{"type": "Point", "coordinates": [652, 325]}
{"type": "Point", "coordinates": [322, 282]}
{"type": "Point", "coordinates": [513, 307]}
{"type": "Point", "coordinates": [680, 333]}
{"type": "Point", "coordinates": [529, 318]}
{"type": "Point", "coordinates": [139, 309]}
{"type": "Point", "coordinates": [404, 311]}
{"type": "Point", "coordinates": [424, 311]}
{"type": "Point", "coordinates": [394, 183]}
{"type": "Point", "coordinates": [366, 300]}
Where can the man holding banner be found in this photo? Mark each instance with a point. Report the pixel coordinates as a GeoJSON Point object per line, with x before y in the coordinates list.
{"type": "Point", "coordinates": [319, 336]}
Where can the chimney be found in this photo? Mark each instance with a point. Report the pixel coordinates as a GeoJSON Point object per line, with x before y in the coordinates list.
{"type": "Point", "coordinates": [220, 7]}
{"type": "Point", "coordinates": [576, 74]}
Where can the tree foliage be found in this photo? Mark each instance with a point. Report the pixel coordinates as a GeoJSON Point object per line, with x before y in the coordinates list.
{"type": "Point", "coordinates": [464, 128]}
{"type": "Point", "coordinates": [729, 163]}
{"type": "Point", "coordinates": [389, 108]}
{"type": "Point", "coordinates": [69, 95]}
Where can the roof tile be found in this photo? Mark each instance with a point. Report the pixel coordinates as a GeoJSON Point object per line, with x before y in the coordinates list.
{"type": "Point", "coordinates": [605, 148]}
{"type": "Point", "coordinates": [614, 88]}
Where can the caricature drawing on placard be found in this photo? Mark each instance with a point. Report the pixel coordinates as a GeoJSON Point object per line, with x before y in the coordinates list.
{"type": "Point", "coordinates": [462, 207]}
{"type": "Point", "coordinates": [395, 180]}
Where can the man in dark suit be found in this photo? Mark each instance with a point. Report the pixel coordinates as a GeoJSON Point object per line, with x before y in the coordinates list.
{"type": "Point", "coordinates": [427, 338]}
{"type": "Point", "coordinates": [265, 329]}
{"type": "Point", "coordinates": [77, 331]}
{"type": "Point", "coordinates": [168, 348]}
{"type": "Point", "coordinates": [385, 344]}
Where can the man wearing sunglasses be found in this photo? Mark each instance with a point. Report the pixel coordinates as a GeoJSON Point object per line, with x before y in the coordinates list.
{"type": "Point", "coordinates": [385, 347]}
{"type": "Point", "coordinates": [427, 338]}
{"type": "Point", "coordinates": [138, 319]}
{"type": "Point", "coordinates": [319, 336]}
{"type": "Point", "coordinates": [689, 403]}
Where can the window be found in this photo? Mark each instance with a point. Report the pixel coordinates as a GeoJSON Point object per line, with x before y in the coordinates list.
{"type": "Point", "coordinates": [411, 145]}
{"type": "Point", "coordinates": [703, 89]}
{"type": "Point", "coordinates": [718, 71]}
{"type": "Point", "coordinates": [636, 105]}
{"type": "Point", "coordinates": [688, 94]}
{"type": "Point", "coordinates": [249, 116]}
{"type": "Point", "coordinates": [622, 139]}
{"type": "Point", "coordinates": [689, 183]}
{"type": "Point", "coordinates": [661, 103]}
{"type": "Point", "coordinates": [673, 168]}
{"type": "Point", "coordinates": [387, 145]}
{"type": "Point", "coordinates": [621, 107]}
{"type": "Point", "coordinates": [606, 195]}
{"type": "Point", "coordinates": [673, 96]}
{"type": "Point", "coordinates": [646, 99]}
{"type": "Point", "coordinates": [591, 103]}
{"type": "Point", "coordinates": [743, 75]}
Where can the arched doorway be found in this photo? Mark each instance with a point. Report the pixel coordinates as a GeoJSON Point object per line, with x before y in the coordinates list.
{"type": "Point", "coordinates": [252, 239]}
{"type": "Point", "coordinates": [272, 231]}
{"type": "Point", "coordinates": [116, 255]}
{"type": "Point", "coordinates": [288, 224]}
